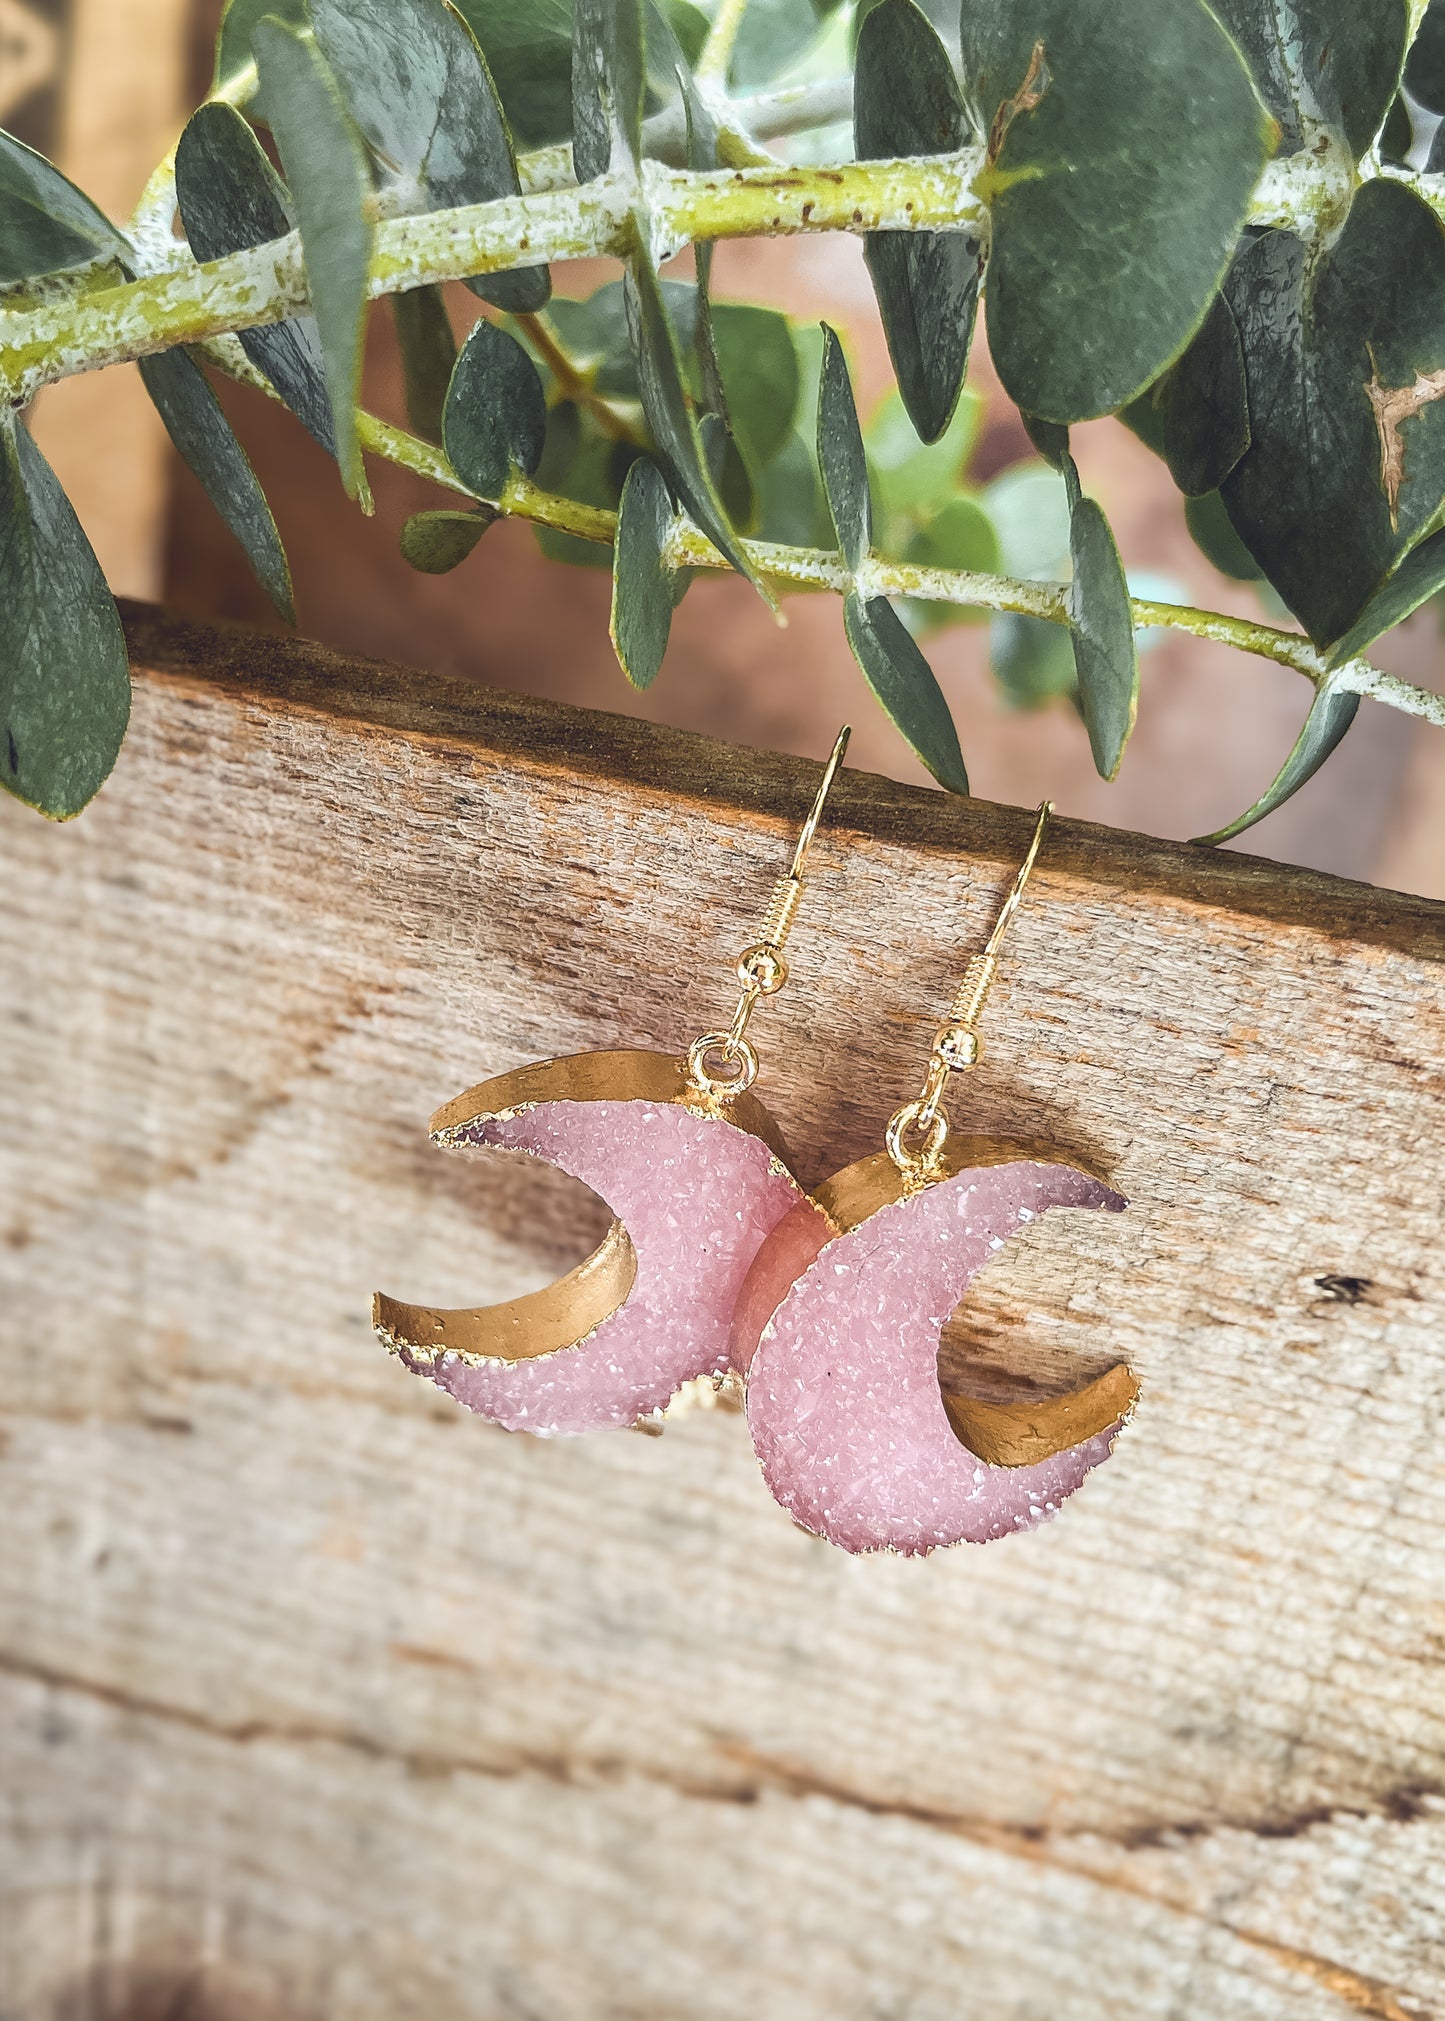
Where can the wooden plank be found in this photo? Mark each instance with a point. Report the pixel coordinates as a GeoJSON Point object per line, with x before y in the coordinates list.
{"type": "Point", "coordinates": [324, 1699]}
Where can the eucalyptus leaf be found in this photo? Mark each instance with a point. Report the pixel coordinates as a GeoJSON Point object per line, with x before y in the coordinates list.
{"type": "Point", "coordinates": [905, 684]}
{"type": "Point", "coordinates": [608, 86]}
{"type": "Point", "coordinates": [529, 53]}
{"type": "Point", "coordinates": [238, 23]}
{"type": "Point", "coordinates": [434, 543]}
{"type": "Point", "coordinates": [583, 464]}
{"type": "Point", "coordinates": [1397, 135]}
{"type": "Point", "coordinates": [912, 480]}
{"type": "Point", "coordinates": [643, 586]}
{"type": "Point", "coordinates": [1029, 507]}
{"type": "Point", "coordinates": [759, 364]}
{"type": "Point", "coordinates": [774, 35]}
{"type": "Point", "coordinates": [428, 356]}
{"type": "Point", "coordinates": [1331, 714]}
{"type": "Point", "coordinates": [1419, 576]}
{"type": "Point", "coordinates": [64, 672]}
{"type": "Point", "coordinates": [907, 102]}
{"type": "Point", "coordinates": [325, 165]}
{"type": "Point", "coordinates": [195, 423]}
{"type": "Point", "coordinates": [1425, 65]}
{"type": "Point", "coordinates": [46, 223]}
{"type": "Point", "coordinates": [231, 198]}
{"type": "Point", "coordinates": [1121, 165]}
{"type": "Point", "coordinates": [495, 419]}
{"type": "Point", "coordinates": [1032, 660]}
{"type": "Point", "coordinates": [1050, 438]}
{"type": "Point", "coordinates": [791, 507]}
{"type": "Point", "coordinates": [1345, 359]}
{"type": "Point", "coordinates": [1203, 407]}
{"type": "Point", "coordinates": [418, 87]}
{"type": "Point", "coordinates": [1105, 657]}
{"type": "Point", "coordinates": [670, 418]}
{"type": "Point", "coordinates": [1214, 536]}
{"type": "Point", "coordinates": [840, 455]}
{"type": "Point", "coordinates": [1322, 64]}
{"type": "Point", "coordinates": [959, 536]}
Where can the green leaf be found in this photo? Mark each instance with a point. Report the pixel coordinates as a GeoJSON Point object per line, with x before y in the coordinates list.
{"type": "Point", "coordinates": [671, 420]}
{"type": "Point", "coordinates": [495, 420]}
{"type": "Point", "coordinates": [325, 165]}
{"type": "Point", "coordinates": [1425, 65]}
{"type": "Point", "coordinates": [46, 223]}
{"type": "Point", "coordinates": [436, 542]}
{"type": "Point", "coordinates": [684, 31]}
{"type": "Point", "coordinates": [428, 356]}
{"type": "Point", "coordinates": [960, 535]}
{"type": "Point", "coordinates": [1050, 438]}
{"type": "Point", "coordinates": [791, 507]}
{"type": "Point", "coordinates": [1331, 714]}
{"type": "Point", "coordinates": [1397, 135]}
{"type": "Point", "coordinates": [1200, 406]}
{"type": "Point", "coordinates": [904, 683]}
{"type": "Point", "coordinates": [1122, 163]}
{"type": "Point", "coordinates": [1326, 337]}
{"type": "Point", "coordinates": [759, 364]}
{"type": "Point", "coordinates": [201, 432]}
{"type": "Point", "coordinates": [1029, 507]}
{"type": "Point", "coordinates": [1105, 657]}
{"type": "Point", "coordinates": [238, 22]}
{"type": "Point", "coordinates": [230, 199]}
{"type": "Point", "coordinates": [418, 87]}
{"type": "Point", "coordinates": [643, 586]}
{"type": "Point", "coordinates": [529, 52]}
{"type": "Point", "coordinates": [581, 463]}
{"type": "Point", "coordinates": [774, 35]}
{"type": "Point", "coordinates": [1216, 539]}
{"type": "Point", "coordinates": [1322, 63]}
{"type": "Point", "coordinates": [608, 81]}
{"type": "Point", "coordinates": [840, 455]}
{"type": "Point", "coordinates": [912, 480]}
{"type": "Point", "coordinates": [907, 102]}
{"type": "Point", "coordinates": [1032, 659]}
{"type": "Point", "coordinates": [1420, 576]}
{"type": "Point", "coordinates": [64, 673]}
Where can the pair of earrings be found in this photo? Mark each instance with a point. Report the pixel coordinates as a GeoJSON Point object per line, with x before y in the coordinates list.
{"type": "Point", "coordinates": [826, 1309]}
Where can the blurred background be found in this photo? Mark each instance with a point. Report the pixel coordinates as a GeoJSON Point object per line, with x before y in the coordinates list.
{"type": "Point", "coordinates": [103, 89]}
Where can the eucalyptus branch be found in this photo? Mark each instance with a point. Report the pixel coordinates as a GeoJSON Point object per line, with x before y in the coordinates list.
{"type": "Point", "coordinates": [717, 51]}
{"type": "Point", "coordinates": [110, 325]}
{"type": "Point", "coordinates": [800, 569]}
{"type": "Point", "coordinates": [572, 382]}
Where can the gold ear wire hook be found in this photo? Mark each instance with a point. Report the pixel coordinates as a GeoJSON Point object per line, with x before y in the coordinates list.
{"type": "Point", "coordinates": [761, 969]}
{"type": "Point", "coordinates": [957, 1047]}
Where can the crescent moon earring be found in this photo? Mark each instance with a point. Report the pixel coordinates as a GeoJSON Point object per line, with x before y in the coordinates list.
{"type": "Point", "coordinates": [838, 1327]}
{"type": "Point", "coordinates": [696, 1174]}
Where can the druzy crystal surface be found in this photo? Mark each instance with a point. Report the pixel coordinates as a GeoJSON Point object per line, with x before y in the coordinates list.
{"type": "Point", "coordinates": [843, 1399]}
{"type": "Point", "coordinates": [697, 1195]}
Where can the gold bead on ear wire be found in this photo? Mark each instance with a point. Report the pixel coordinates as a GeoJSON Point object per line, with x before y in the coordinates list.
{"type": "Point", "coordinates": [723, 1064]}
{"type": "Point", "coordinates": [957, 1047]}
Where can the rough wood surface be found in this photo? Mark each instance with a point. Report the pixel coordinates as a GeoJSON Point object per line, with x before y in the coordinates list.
{"type": "Point", "coordinates": [324, 1702]}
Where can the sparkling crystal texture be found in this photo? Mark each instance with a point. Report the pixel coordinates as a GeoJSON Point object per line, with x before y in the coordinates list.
{"type": "Point", "coordinates": [843, 1399]}
{"type": "Point", "coordinates": [697, 1195]}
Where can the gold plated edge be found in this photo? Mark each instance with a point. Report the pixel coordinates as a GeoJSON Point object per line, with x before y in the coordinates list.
{"type": "Point", "coordinates": [1017, 1434]}
{"type": "Point", "coordinates": [1024, 1433]}
{"type": "Point", "coordinates": [623, 1076]}
{"type": "Point", "coordinates": [541, 1323]}
{"type": "Point", "coordinates": [856, 1193]}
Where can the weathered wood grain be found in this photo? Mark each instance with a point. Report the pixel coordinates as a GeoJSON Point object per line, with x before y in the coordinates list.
{"type": "Point", "coordinates": [322, 1699]}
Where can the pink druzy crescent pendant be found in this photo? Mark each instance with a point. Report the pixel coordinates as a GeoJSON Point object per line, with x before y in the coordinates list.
{"type": "Point", "coordinates": [696, 1184]}
{"type": "Point", "coordinates": [837, 1334]}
